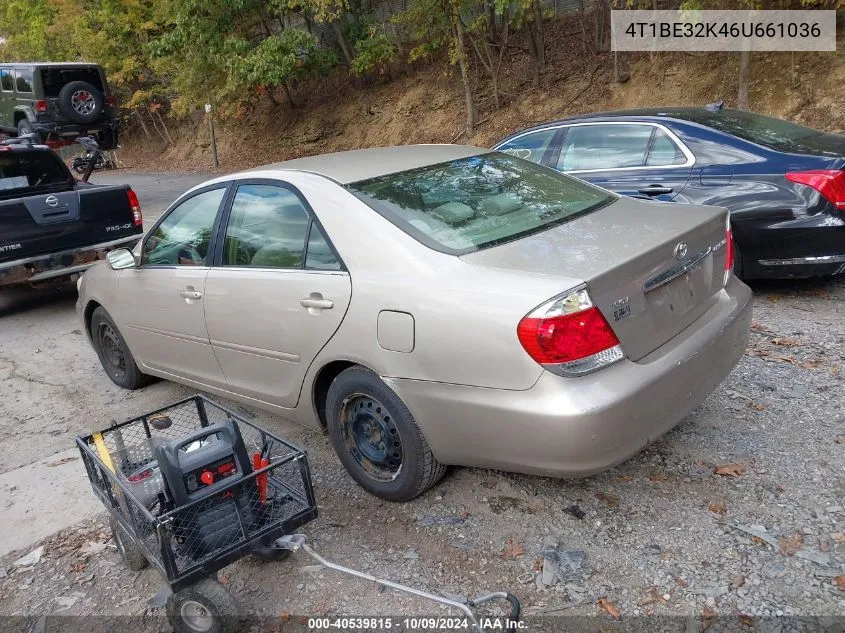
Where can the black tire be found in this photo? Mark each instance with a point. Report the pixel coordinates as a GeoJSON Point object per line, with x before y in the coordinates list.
{"type": "Point", "coordinates": [132, 555]}
{"type": "Point", "coordinates": [25, 129]}
{"type": "Point", "coordinates": [81, 102]}
{"type": "Point", "coordinates": [79, 165]}
{"type": "Point", "coordinates": [269, 554]}
{"type": "Point", "coordinates": [376, 438]}
{"type": "Point", "coordinates": [739, 268]}
{"type": "Point", "coordinates": [114, 354]}
{"type": "Point", "coordinates": [204, 607]}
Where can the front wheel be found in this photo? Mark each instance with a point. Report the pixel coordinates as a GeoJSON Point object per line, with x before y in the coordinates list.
{"type": "Point", "coordinates": [113, 352]}
{"type": "Point", "coordinates": [376, 438]}
{"type": "Point", "coordinates": [205, 607]}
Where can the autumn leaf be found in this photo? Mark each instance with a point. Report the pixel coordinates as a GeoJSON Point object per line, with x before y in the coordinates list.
{"type": "Point", "coordinates": [840, 581]}
{"type": "Point", "coordinates": [77, 566]}
{"type": "Point", "coordinates": [707, 618]}
{"type": "Point", "coordinates": [512, 549]}
{"type": "Point", "coordinates": [759, 327]}
{"type": "Point", "coordinates": [839, 537]}
{"type": "Point", "coordinates": [658, 477]}
{"type": "Point", "coordinates": [730, 470]}
{"type": "Point", "coordinates": [738, 581]}
{"type": "Point", "coordinates": [785, 342]}
{"type": "Point", "coordinates": [717, 507]}
{"type": "Point", "coordinates": [612, 501]}
{"type": "Point", "coordinates": [224, 579]}
{"type": "Point", "coordinates": [681, 582]}
{"type": "Point", "coordinates": [758, 407]}
{"type": "Point", "coordinates": [608, 607]}
{"type": "Point", "coordinates": [746, 620]}
{"type": "Point", "coordinates": [285, 615]}
{"type": "Point", "coordinates": [624, 478]}
{"type": "Point", "coordinates": [790, 545]}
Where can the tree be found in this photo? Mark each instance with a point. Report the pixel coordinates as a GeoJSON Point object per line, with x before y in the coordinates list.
{"type": "Point", "coordinates": [488, 34]}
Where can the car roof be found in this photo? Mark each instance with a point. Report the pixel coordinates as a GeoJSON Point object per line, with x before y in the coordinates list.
{"type": "Point", "coordinates": [637, 114]}
{"type": "Point", "coordinates": [363, 164]}
{"type": "Point", "coordinates": [54, 64]}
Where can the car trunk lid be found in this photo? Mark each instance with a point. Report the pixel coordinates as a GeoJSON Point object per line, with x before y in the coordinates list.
{"type": "Point", "coordinates": [651, 268]}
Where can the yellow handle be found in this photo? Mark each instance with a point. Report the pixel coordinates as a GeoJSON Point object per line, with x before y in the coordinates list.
{"type": "Point", "coordinates": [103, 451]}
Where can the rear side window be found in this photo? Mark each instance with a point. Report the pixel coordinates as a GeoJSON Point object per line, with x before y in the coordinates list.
{"type": "Point", "coordinates": [6, 83]}
{"type": "Point", "coordinates": [472, 203]}
{"type": "Point", "coordinates": [23, 170]}
{"type": "Point", "coordinates": [596, 147]}
{"type": "Point", "coordinates": [664, 151]}
{"type": "Point", "coordinates": [531, 146]}
{"type": "Point", "coordinates": [23, 80]}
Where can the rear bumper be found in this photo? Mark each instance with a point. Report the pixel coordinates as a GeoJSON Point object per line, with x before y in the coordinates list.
{"type": "Point", "coordinates": [812, 246]}
{"type": "Point", "coordinates": [569, 427]}
{"type": "Point", "coordinates": [60, 264]}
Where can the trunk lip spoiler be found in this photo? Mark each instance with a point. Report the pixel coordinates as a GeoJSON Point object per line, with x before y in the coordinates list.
{"type": "Point", "coordinates": [673, 272]}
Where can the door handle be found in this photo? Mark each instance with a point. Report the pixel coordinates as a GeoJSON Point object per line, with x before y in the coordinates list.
{"type": "Point", "coordinates": [319, 304]}
{"type": "Point", "coordinates": [190, 294]}
{"type": "Point", "coordinates": [654, 190]}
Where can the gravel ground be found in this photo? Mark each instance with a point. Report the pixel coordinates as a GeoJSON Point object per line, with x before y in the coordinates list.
{"type": "Point", "coordinates": [737, 512]}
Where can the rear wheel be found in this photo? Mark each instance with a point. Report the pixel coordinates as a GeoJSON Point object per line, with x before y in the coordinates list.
{"type": "Point", "coordinates": [132, 555]}
{"type": "Point", "coordinates": [25, 129]}
{"type": "Point", "coordinates": [205, 607]}
{"type": "Point", "coordinates": [376, 438]}
{"type": "Point", "coordinates": [113, 352]}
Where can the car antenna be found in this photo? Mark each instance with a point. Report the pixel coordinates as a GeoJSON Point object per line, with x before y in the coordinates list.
{"type": "Point", "coordinates": [715, 107]}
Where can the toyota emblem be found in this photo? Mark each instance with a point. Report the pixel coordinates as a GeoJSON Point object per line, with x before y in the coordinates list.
{"type": "Point", "coordinates": [680, 250]}
{"type": "Point", "coordinates": [52, 201]}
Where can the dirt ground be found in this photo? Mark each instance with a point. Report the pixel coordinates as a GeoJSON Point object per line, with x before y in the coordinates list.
{"type": "Point", "coordinates": [737, 512]}
{"type": "Point", "coordinates": [424, 104]}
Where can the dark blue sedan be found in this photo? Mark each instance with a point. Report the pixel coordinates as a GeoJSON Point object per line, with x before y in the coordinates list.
{"type": "Point", "coordinates": [783, 183]}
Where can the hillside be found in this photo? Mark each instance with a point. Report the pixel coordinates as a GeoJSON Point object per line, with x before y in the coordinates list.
{"type": "Point", "coordinates": [424, 104]}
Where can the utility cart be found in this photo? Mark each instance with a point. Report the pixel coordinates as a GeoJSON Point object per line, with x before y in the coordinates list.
{"type": "Point", "coordinates": [193, 487]}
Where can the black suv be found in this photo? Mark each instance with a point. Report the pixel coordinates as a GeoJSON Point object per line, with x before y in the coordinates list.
{"type": "Point", "coordinates": [58, 102]}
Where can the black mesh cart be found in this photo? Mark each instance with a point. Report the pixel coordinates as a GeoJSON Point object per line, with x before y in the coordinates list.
{"type": "Point", "coordinates": [241, 509]}
{"type": "Point", "coordinates": [193, 487]}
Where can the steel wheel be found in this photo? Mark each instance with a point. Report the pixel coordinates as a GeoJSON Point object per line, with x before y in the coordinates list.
{"type": "Point", "coordinates": [112, 350]}
{"type": "Point", "coordinates": [371, 436]}
{"type": "Point", "coordinates": [83, 102]}
{"type": "Point", "coordinates": [196, 616]}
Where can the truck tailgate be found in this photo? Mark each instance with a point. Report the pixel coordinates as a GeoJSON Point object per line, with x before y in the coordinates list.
{"type": "Point", "coordinates": [86, 215]}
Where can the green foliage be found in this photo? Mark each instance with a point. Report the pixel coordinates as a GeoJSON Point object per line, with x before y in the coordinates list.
{"type": "Point", "coordinates": [373, 54]}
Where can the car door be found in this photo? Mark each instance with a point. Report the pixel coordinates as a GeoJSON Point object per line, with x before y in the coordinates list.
{"type": "Point", "coordinates": [7, 98]}
{"type": "Point", "coordinates": [276, 294]}
{"type": "Point", "coordinates": [631, 158]}
{"type": "Point", "coordinates": [162, 301]}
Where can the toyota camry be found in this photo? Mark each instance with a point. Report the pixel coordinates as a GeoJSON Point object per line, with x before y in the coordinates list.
{"type": "Point", "coordinates": [430, 306]}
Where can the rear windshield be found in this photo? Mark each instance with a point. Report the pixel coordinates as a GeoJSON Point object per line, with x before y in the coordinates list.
{"type": "Point", "coordinates": [21, 170]}
{"type": "Point", "coordinates": [776, 134]}
{"type": "Point", "coordinates": [54, 79]}
{"type": "Point", "coordinates": [472, 203]}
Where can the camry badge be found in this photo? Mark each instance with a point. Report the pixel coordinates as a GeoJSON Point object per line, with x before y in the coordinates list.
{"type": "Point", "coordinates": [52, 201]}
{"type": "Point", "coordinates": [680, 250]}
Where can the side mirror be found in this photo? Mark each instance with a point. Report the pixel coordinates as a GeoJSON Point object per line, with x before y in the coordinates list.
{"type": "Point", "coordinates": [121, 258]}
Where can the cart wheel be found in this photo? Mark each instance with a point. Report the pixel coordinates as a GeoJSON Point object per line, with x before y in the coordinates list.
{"type": "Point", "coordinates": [268, 553]}
{"type": "Point", "coordinates": [205, 607]}
{"type": "Point", "coordinates": [132, 555]}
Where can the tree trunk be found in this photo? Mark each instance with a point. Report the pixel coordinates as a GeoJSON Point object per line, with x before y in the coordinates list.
{"type": "Point", "coordinates": [288, 94]}
{"type": "Point", "coordinates": [143, 123]}
{"type": "Point", "coordinates": [164, 127]}
{"type": "Point", "coordinates": [341, 40]}
{"type": "Point", "coordinates": [458, 28]}
{"type": "Point", "coordinates": [744, 79]}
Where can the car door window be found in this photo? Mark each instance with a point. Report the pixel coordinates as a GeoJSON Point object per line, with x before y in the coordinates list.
{"type": "Point", "coordinates": [664, 151]}
{"type": "Point", "coordinates": [319, 255]}
{"type": "Point", "coordinates": [597, 147]}
{"type": "Point", "coordinates": [23, 80]}
{"type": "Point", "coordinates": [531, 146]}
{"type": "Point", "coordinates": [6, 80]}
{"type": "Point", "coordinates": [183, 237]}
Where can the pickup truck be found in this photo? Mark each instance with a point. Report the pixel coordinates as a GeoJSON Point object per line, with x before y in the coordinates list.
{"type": "Point", "coordinates": [53, 227]}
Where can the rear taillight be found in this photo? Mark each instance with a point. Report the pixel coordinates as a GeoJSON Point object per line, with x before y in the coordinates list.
{"type": "Point", "coordinates": [137, 217]}
{"type": "Point", "coordinates": [41, 106]}
{"type": "Point", "coordinates": [828, 182]}
{"type": "Point", "coordinates": [141, 476]}
{"type": "Point", "coordinates": [569, 336]}
{"type": "Point", "coordinates": [729, 249]}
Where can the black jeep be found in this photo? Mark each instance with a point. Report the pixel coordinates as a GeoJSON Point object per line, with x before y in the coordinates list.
{"type": "Point", "coordinates": [58, 102]}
